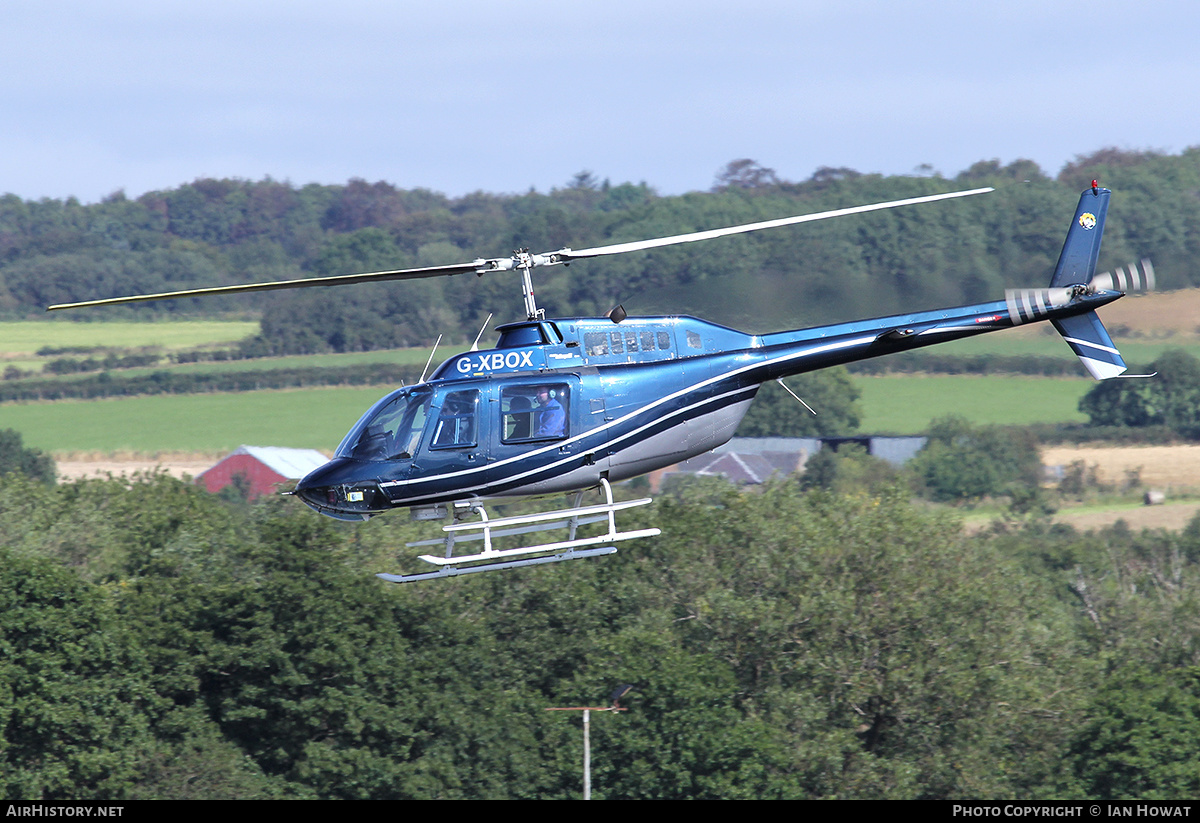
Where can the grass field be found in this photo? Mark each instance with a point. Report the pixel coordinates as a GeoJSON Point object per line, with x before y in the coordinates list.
{"type": "Point", "coordinates": [304, 418]}
{"type": "Point", "coordinates": [896, 404]}
{"type": "Point", "coordinates": [25, 337]}
{"type": "Point", "coordinates": [407, 357]}
{"type": "Point", "coordinates": [318, 418]}
{"type": "Point", "coordinates": [1043, 341]}
{"type": "Point", "coordinates": [21, 340]}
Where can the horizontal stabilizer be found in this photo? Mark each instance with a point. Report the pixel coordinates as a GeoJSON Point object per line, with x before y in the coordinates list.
{"type": "Point", "coordinates": [1088, 338]}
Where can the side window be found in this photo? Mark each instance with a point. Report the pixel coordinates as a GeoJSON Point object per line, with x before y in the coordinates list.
{"type": "Point", "coordinates": [693, 341]}
{"type": "Point", "coordinates": [533, 412]}
{"type": "Point", "coordinates": [455, 425]}
{"type": "Point", "coordinates": [664, 340]}
{"type": "Point", "coordinates": [596, 343]}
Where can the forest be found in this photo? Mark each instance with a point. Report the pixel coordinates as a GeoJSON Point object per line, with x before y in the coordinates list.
{"type": "Point", "coordinates": [784, 642]}
{"type": "Point", "coordinates": [215, 232]}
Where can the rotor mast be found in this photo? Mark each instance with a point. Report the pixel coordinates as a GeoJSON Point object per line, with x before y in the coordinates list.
{"type": "Point", "coordinates": [525, 263]}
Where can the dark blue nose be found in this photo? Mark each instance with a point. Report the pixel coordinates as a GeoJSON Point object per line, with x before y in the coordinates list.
{"type": "Point", "coordinates": [343, 489]}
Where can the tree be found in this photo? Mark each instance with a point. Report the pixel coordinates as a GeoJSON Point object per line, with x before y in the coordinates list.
{"type": "Point", "coordinates": [15, 457]}
{"type": "Point", "coordinates": [961, 461]}
{"type": "Point", "coordinates": [1138, 741]}
{"type": "Point", "coordinates": [361, 205]}
{"type": "Point", "coordinates": [72, 689]}
{"type": "Point", "coordinates": [830, 392]}
{"type": "Point", "coordinates": [887, 654]}
{"type": "Point", "coordinates": [745, 174]}
{"type": "Point", "coordinates": [849, 470]}
{"type": "Point", "coordinates": [1171, 398]}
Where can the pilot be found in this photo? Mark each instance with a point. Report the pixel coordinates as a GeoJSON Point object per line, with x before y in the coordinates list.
{"type": "Point", "coordinates": [518, 414]}
{"type": "Point", "coordinates": [551, 417]}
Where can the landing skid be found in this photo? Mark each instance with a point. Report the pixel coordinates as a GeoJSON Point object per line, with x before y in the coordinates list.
{"type": "Point", "coordinates": [491, 559]}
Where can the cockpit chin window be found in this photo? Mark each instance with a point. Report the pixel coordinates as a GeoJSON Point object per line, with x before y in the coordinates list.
{"type": "Point", "coordinates": [390, 430]}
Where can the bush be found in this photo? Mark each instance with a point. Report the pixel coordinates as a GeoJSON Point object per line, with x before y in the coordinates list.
{"type": "Point", "coordinates": [1171, 399]}
{"type": "Point", "coordinates": [961, 461]}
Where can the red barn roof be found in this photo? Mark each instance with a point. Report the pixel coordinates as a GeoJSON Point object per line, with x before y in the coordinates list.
{"type": "Point", "coordinates": [262, 467]}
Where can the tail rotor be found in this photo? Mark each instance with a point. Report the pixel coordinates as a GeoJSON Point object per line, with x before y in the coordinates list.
{"type": "Point", "coordinates": [1027, 305]}
{"type": "Point", "coordinates": [1086, 335]}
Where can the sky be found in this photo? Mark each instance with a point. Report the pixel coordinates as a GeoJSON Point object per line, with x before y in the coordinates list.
{"type": "Point", "coordinates": [469, 95]}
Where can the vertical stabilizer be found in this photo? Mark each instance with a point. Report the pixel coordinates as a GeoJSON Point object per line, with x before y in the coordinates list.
{"type": "Point", "coordinates": [1084, 333]}
{"type": "Point", "coordinates": [1077, 263]}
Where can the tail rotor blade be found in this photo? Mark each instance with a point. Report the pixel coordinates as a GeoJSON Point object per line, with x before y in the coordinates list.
{"type": "Point", "coordinates": [1148, 271]}
{"type": "Point", "coordinates": [1139, 278]}
{"type": "Point", "coordinates": [1025, 305]}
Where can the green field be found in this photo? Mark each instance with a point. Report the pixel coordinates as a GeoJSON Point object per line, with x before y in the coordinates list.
{"type": "Point", "coordinates": [1046, 343]}
{"type": "Point", "coordinates": [407, 357]}
{"type": "Point", "coordinates": [896, 404]}
{"type": "Point", "coordinates": [27, 336]}
{"type": "Point", "coordinates": [21, 340]}
{"type": "Point", "coordinates": [304, 418]}
{"type": "Point", "coordinates": [318, 418]}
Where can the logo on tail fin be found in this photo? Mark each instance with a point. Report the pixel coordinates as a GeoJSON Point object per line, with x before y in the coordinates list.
{"type": "Point", "coordinates": [1087, 220]}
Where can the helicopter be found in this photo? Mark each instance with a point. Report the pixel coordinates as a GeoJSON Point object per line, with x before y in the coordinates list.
{"type": "Point", "coordinates": [566, 405]}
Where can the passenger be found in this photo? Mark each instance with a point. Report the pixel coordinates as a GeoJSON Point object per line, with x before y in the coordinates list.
{"type": "Point", "coordinates": [551, 417]}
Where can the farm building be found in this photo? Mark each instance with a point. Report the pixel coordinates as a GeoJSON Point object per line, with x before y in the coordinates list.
{"type": "Point", "coordinates": [258, 469]}
{"type": "Point", "coordinates": [755, 459]}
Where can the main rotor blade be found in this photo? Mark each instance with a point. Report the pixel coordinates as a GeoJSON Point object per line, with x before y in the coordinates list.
{"type": "Point", "coordinates": [567, 255]}
{"type": "Point", "coordinates": [336, 280]}
{"type": "Point", "coordinates": [519, 260]}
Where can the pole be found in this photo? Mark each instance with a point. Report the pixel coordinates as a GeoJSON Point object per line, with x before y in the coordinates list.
{"type": "Point", "coordinates": [587, 754]}
{"type": "Point", "coordinates": [587, 738]}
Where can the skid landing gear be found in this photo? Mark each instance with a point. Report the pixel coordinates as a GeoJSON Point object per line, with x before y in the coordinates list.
{"type": "Point", "coordinates": [486, 529]}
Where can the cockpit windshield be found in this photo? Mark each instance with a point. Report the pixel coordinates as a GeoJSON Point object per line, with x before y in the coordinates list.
{"type": "Point", "coordinates": [391, 429]}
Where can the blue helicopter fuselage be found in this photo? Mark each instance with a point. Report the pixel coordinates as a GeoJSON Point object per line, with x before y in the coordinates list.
{"type": "Point", "coordinates": [560, 404]}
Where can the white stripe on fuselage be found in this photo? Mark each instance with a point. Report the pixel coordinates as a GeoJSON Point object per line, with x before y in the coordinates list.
{"type": "Point", "coordinates": [558, 444]}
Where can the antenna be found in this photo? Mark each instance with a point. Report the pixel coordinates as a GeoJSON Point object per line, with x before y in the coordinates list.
{"type": "Point", "coordinates": [779, 380]}
{"type": "Point", "coordinates": [430, 360]}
